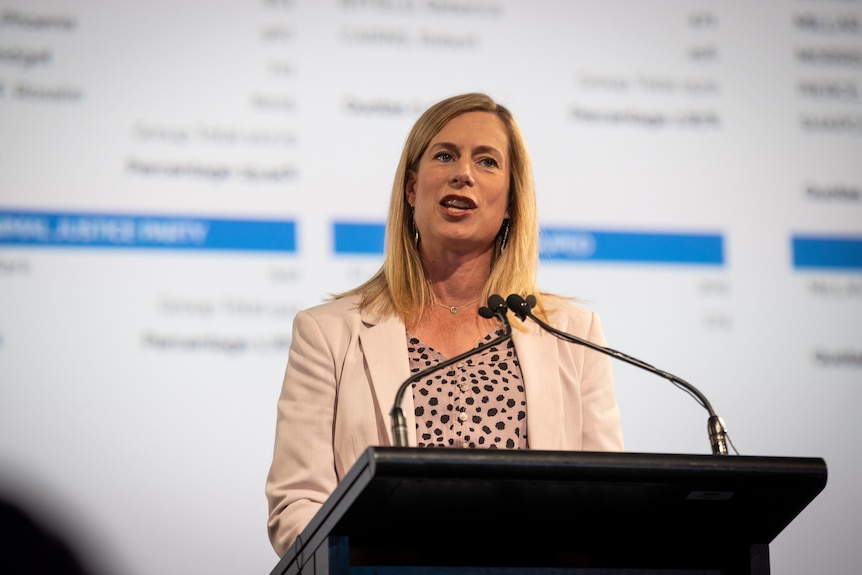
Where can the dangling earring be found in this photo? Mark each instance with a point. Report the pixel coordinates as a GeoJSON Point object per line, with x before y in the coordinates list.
{"type": "Point", "coordinates": [415, 229]}
{"type": "Point", "coordinates": [505, 239]}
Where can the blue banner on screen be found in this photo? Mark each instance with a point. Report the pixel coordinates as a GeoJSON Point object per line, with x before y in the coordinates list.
{"type": "Point", "coordinates": [358, 238]}
{"type": "Point", "coordinates": [637, 247]}
{"type": "Point", "coordinates": [572, 245]}
{"type": "Point", "coordinates": [80, 230]}
{"type": "Point", "coordinates": [836, 253]}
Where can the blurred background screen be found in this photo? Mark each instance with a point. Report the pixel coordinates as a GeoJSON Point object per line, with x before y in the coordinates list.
{"type": "Point", "coordinates": [177, 179]}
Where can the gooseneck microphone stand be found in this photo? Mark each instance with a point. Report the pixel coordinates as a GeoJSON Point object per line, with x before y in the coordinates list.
{"type": "Point", "coordinates": [718, 437]}
{"type": "Point", "coordinates": [496, 308]}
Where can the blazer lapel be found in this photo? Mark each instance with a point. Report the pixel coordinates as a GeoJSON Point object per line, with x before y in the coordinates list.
{"type": "Point", "coordinates": [388, 368]}
{"type": "Point", "coordinates": [537, 355]}
{"type": "Point", "coordinates": [539, 360]}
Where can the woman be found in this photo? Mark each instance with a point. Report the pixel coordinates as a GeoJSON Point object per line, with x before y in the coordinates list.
{"type": "Point", "coordinates": [462, 225]}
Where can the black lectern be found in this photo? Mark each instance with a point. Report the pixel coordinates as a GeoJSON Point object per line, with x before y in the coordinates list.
{"type": "Point", "coordinates": [409, 510]}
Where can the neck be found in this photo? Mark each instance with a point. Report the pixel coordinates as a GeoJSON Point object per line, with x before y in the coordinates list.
{"type": "Point", "coordinates": [457, 283]}
{"type": "Point", "coordinates": [456, 308]}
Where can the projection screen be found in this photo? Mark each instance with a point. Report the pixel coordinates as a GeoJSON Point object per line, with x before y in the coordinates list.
{"type": "Point", "coordinates": [177, 179]}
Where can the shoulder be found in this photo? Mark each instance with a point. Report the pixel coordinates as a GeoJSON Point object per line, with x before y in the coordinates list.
{"type": "Point", "coordinates": [570, 316]}
{"type": "Point", "coordinates": [340, 307]}
{"type": "Point", "coordinates": [333, 319]}
{"type": "Point", "coordinates": [564, 308]}
{"type": "Point", "coordinates": [342, 313]}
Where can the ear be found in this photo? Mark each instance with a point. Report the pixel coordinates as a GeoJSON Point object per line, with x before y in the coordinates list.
{"type": "Point", "coordinates": [410, 187]}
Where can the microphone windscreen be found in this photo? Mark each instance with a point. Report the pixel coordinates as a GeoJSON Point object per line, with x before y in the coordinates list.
{"type": "Point", "coordinates": [515, 302]}
{"type": "Point", "coordinates": [518, 306]}
{"type": "Point", "coordinates": [495, 301]}
{"type": "Point", "coordinates": [486, 312]}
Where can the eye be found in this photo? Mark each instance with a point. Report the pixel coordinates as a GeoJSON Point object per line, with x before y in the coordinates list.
{"type": "Point", "coordinates": [443, 156]}
{"type": "Point", "coordinates": [488, 162]}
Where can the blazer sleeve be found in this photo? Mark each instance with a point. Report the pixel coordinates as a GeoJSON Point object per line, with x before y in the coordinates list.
{"type": "Point", "coordinates": [302, 474]}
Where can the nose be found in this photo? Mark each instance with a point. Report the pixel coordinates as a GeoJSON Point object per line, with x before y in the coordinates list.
{"type": "Point", "coordinates": [463, 174]}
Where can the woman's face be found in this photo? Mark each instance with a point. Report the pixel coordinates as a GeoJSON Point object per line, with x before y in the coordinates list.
{"type": "Point", "coordinates": [460, 189]}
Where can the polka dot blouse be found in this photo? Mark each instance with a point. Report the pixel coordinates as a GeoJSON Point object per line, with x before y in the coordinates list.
{"type": "Point", "coordinates": [478, 402]}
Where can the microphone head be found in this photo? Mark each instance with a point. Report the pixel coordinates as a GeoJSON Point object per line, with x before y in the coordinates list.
{"type": "Point", "coordinates": [496, 302]}
{"type": "Point", "coordinates": [518, 306]}
{"type": "Point", "coordinates": [486, 312]}
{"type": "Point", "coordinates": [496, 308]}
{"type": "Point", "coordinates": [521, 307]}
{"type": "Point", "coordinates": [514, 301]}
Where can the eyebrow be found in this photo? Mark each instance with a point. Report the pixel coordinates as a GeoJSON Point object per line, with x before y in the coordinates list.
{"type": "Point", "coordinates": [477, 150]}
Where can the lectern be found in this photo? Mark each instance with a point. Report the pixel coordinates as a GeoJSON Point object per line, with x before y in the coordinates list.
{"type": "Point", "coordinates": [494, 512]}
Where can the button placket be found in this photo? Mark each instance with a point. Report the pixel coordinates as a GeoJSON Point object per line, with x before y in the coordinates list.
{"type": "Point", "coordinates": [463, 387]}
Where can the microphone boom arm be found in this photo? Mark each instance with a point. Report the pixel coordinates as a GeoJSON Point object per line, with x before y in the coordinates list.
{"type": "Point", "coordinates": [715, 426]}
{"type": "Point", "coordinates": [399, 423]}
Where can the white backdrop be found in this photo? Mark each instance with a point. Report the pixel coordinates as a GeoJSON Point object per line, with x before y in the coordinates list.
{"type": "Point", "coordinates": [172, 173]}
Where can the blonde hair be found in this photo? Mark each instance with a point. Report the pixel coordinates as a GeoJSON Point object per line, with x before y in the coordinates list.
{"type": "Point", "coordinates": [400, 286]}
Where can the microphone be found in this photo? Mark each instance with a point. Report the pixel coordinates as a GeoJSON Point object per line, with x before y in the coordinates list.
{"type": "Point", "coordinates": [718, 436]}
{"type": "Point", "coordinates": [496, 308]}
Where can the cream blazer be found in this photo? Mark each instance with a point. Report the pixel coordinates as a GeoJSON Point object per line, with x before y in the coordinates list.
{"type": "Point", "coordinates": [344, 368]}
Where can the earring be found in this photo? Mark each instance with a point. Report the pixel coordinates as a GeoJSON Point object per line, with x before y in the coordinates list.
{"type": "Point", "coordinates": [415, 229]}
{"type": "Point", "coordinates": [505, 239]}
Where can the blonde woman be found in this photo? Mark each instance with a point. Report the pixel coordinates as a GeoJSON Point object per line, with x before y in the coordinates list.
{"type": "Point", "coordinates": [462, 225]}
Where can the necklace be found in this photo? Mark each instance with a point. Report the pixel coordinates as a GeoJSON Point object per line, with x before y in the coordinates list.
{"type": "Point", "coordinates": [457, 308]}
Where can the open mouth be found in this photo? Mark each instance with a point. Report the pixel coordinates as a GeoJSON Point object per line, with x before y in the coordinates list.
{"type": "Point", "coordinates": [457, 203]}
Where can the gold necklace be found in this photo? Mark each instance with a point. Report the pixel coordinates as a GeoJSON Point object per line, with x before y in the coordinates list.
{"type": "Point", "coordinates": [456, 308]}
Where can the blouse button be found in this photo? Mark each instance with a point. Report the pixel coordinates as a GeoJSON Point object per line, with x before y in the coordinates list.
{"type": "Point", "coordinates": [464, 387]}
{"type": "Point", "coordinates": [462, 417]}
